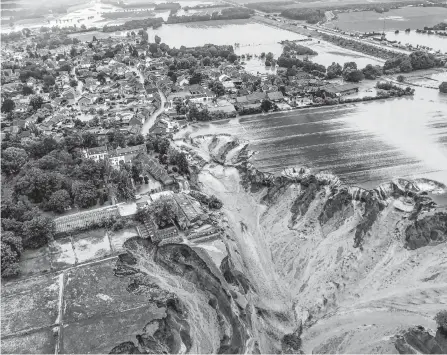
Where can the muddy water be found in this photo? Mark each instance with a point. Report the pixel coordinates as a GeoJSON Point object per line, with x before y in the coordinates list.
{"type": "Point", "coordinates": [364, 144]}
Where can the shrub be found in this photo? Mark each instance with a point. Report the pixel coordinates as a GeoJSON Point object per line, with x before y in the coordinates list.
{"type": "Point", "coordinates": [443, 87]}
{"type": "Point", "coordinates": [441, 320]}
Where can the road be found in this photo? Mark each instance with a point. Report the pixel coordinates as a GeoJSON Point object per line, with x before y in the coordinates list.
{"type": "Point", "coordinates": [370, 43]}
{"type": "Point", "coordinates": [291, 25]}
{"type": "Point", "coordinates": [151, 120]}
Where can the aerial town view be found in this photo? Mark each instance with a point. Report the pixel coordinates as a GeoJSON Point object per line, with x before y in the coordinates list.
{"type": "Point", "coordinates": [223, 176]}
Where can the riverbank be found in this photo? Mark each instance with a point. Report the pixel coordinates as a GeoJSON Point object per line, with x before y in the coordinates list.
{"type": "Point", "coordinates": [279, 236]}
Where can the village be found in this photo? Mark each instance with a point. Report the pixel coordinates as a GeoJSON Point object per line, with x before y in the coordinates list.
{"type": "Point", "coordinates": [112, 106]}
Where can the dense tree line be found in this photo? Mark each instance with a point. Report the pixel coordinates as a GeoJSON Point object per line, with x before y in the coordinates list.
{"type": "Point", "coordinates": [407, 63]}
{"type": "Point", "coordinates": [231, 13]}
{"type": "Point", "coordinates": [132, 24]}
{"type": "Point", "coordinates": [297, 49]}
{"type": "Point", "coordinates": [309, 15]}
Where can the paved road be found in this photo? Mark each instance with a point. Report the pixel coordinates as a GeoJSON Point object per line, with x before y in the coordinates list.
{"type": "Point", "coordinates": [151, 120]}
{"type": "Point", "coordinates": [338, 34]}
{"type": "Point", "coordinates": [286, 24]}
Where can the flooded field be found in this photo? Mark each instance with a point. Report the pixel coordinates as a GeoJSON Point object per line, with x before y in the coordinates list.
{"type": "Point", "coordinates": [364, 144]}
{"type": "Point", "coordinates": [253, 38]}
{"type": "Point", "coordinates": [398, 19]}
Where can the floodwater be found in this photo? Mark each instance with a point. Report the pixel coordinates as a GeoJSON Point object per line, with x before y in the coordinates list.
{"type": "Point", "coordinates": [364, 144]}
{"type": "Point", "coordinates": [398, 19]}
{"type": "Point", "coordinates": [436, 42]}
{"type": "Point", "coordinates": [253, 38]}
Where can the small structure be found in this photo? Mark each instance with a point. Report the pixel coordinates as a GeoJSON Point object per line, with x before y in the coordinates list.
{"type": "Point", "coordinates": [189, 210]}
{"type": "Point", "coordinates": [275, 96]}
{"type": "Point", "coordinates": [340, 90]}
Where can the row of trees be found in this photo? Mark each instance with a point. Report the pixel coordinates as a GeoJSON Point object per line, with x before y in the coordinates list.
{"type": "Point", "coordinates": [231, 13]}
{"type": "Point", "coordinates": [406, 63]}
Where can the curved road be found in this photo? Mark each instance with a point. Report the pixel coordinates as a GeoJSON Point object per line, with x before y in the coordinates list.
{"type": "Point", "coordinates": [151, 120]}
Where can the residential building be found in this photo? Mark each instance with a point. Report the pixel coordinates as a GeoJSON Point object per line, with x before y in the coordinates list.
{"type": "Point", "coordinates": [125, 155]}
{"type": "Point", "coordinates": [340, 90]}
{"type": "Point", "coordinates": [98, 153]}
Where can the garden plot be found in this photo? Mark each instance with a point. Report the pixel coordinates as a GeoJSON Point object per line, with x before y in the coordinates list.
{"type": "Point", "coordinates": [62, 253]}
{"type": "Point", "coordinates": [91, 245]}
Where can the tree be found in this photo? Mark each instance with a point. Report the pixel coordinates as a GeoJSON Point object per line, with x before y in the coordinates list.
{"type": "Point", "coordinates": [163, 146]}
{"type": "Point", "coordinates": [334, 70]}
{"type": "Point", "coordinates": [59, 201]}
{"type": "Point", "coordinates": [26, 90]}
{"type": "Point", "coordinates": [121, 184]}
{"type": "Point", "coordinates": [8, 105]}
{"type": "Point", "coordinates": [372, 72]}
{"type": "Point", "coordinates": [36, 102]}
{"type": "Point", "coordinates": [89, 140]}
{"type": "Point", "coordinates": [13, 240]}
{"type": "Point", "coordinates": [217, 87]}
{"type": "Point", "coordinates": [13, 159]}
{"type": "Point", "coordinates": [49, 80]}
{"type": "Point", "coordinates": [441, 320]}
{"type": "Point", "coordinates": [179, 159]}
{"type": "Point", "coordinates": [145, 36]}
{"type": "Point", "coordinates": [73, 52]}
{"type": "Point", "coordinates": [266, 105]}
{"type": "Point", "coordinates": [206, 61]}
{"type": "Point", "coordinates": [232, 57]}
{"type": "Point", "coordinates": [443, 87]}
{"type": "Point", "coordinates": [91, 171]}
{"type": "Point", "coordinates": [38, 184]}
{"type": "Point", "coordinates": [182, 163]}
{"type": "Point", "coordinates": [153, 48]}
{"type": "Point", "coordinates": [349, 65]}
{"type": "Point", "coordinates": [85, 194]}
{"type": "Point", "coordinates": [353, 75]}
{"type": "Point", "coordinates": [164, 211]}
{"type": "Point", "coordinates": [9, 260]}
{"type": "Point", "coordinates": [400, 78]}
{"type": "Point", "coordinates": [292, 71]}
{"type": "Point", "coordinates": [196, 78]}
{"type": "Point", "coordinates": [405, 65]}
{"type": "Point", "coordinates": [42, 146]}
{"type": "Point", "coordinates": [73, 83]}
{"type": "Point", "coordinates": [422, 60]}
{"type": "Point", "coordinates": [157, 39]}
{"type": "Point", "coordinates": [38, 232]}
{"type": "Point", "coordinates": [11, 249]}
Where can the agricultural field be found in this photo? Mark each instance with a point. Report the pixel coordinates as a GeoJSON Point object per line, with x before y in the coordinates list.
{"type": "Point", "coordinates": [88, 302]}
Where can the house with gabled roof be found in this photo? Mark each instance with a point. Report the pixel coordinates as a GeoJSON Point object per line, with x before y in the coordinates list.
{"type": "Point", "coordinates": [69, 95]}
{"type": "Point", "coordinates": [275, 96]}
{"type": "Point", "coordinates": [98, 153]}
{"type": "Point", "coordinates": [125, 155]}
